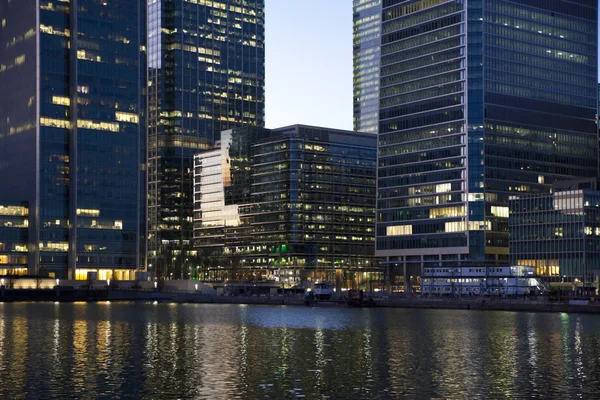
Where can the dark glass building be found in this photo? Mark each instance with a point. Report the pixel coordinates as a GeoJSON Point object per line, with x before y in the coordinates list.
{"type": "Point", "coordinates": [558, 234]}
{"type": "Point", "coordinates": [479, 99]}
{"type": "Point", "coordinates": [72, 131]}
{"type": "Point", "coordinates": [206, 75]}
{"type": "Point", "coordinates": [286, 204]}
{"type": "Point", "coordinates": [366, 40]}
{"type": "Point", "coordinates": [14, 238]}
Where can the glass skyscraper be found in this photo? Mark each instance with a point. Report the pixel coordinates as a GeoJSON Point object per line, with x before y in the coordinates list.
{"type": "Point", "coordinates": [479, 99]}
{"type": "Point", "coordinates": [286, 204]}
{"type": "Point", "coordinates": [72, 131]}
{"type": "Point", "coordinates": [366, 40]}
{"type": "Point", "coordinates": [206, 74]}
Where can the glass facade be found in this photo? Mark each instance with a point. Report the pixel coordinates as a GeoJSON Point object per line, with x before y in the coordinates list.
{"type": "Point", "coordinates": [366, 39]}
{"type": "Point", "coordinates": [479, 99]}
{"type": "Point", "coordinates": [558, 234]}
{"type": "Point", "coordinates": [14, 238]}
{"type": "Point", "coordinates": [286, 204]}
{"type": "Point", "coordinates": [79, 145]}
{"type": "Point", "coordinates": [206, 74]}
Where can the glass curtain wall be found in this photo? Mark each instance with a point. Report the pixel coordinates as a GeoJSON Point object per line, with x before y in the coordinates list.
{"type": "Point", "coordinates": [206, 75]}
{"type": "Point", "coordinates": [479, 99]}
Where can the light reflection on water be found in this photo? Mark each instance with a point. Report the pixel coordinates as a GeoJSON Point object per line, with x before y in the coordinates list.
{"type": "Point", "coordinates": [157, 351]}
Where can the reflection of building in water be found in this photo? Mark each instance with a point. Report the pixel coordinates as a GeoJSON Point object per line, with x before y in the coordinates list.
{"type": "Point", "coordinates": [192, 359]}
{"type": "Point", "coordinates": [559, 233]}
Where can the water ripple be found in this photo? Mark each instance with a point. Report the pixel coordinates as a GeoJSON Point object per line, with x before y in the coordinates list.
{"type": "Point", "coordinates": [161, 351]}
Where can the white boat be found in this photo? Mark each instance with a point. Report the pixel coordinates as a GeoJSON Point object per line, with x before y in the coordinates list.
{"type": "Point", "coordinates": [324, 290]}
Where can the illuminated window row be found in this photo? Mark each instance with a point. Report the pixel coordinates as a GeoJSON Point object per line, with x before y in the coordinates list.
{"type": "Point", "coordinates": [14, 210]}
{"type": "Point", "coordinates": [61, 100]}
{"type": "Point", "coordinates": [126, 117]}
{"type": "Point", "coordinates": [88, 212]}
{"type": "Point", "coordinates": [58, 246]}
{"type": "Point", "coordinates": [397, 230]}
{"type": "Point", "coordinates": [49, 30]}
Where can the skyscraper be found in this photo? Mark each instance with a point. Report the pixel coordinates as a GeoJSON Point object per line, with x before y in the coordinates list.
{"type": "Point", "coordinates": [72, 131]}
{"type": "Point", "coordinates": [480, 99]}
{"type": "Point", "coordinates": [206, 74]}
{"type": "Point", "coordinates": [366, 57]}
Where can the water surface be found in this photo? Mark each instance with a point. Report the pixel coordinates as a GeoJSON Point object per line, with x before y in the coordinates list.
{"type": "Point", "coordinates": [163, 351]}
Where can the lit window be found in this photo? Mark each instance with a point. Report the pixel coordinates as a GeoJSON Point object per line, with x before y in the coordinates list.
{"type": "Point", "coordinates": [457, 226]}
{"type": "Point", "coordinates": [99, 126]}
{"type": "Point", "coordinates": [61, 100]}
{"type": "Point", "coordinates": [126, 117]}
{"type": "Point", "coordinates": [443, 188]}
{"type": "Point", "coordinates": [500, 211]}
{"type": "Point", "coordinates": [55, 123]}
{"type": "Point", "coordinates": [88, 212]}
{"type": "Point", "coordinates": [397, 230]}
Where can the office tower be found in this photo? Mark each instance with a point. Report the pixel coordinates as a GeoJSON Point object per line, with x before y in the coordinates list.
{"type": "Point", "coordinates": [366, 57]}
{"type": "Point", "coordinates": [479, 99]}
{"type": "Point", "coordinates": [72, 131]}
{"type": "Point", "coordinates": [286, 204]}
{"type": "Point", "coordinates": [206, 74]}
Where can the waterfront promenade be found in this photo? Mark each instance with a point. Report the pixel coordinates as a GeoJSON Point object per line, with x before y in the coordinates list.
{"type": "Point", "coordinates": [534, 304]}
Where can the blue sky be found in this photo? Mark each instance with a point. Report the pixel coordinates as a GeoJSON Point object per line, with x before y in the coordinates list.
{"type": "Point", "coordinates": [308, 63]}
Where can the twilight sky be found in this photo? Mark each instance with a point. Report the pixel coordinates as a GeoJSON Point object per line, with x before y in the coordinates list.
{"type": "Point", "coordinates": [308, 63]}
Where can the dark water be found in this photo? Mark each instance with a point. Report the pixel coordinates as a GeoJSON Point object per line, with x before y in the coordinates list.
{"type": "Point", "coordinates": [161, 351]}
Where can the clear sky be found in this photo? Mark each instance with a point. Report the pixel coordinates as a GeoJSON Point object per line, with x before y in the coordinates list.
{"type": "Point", "coordinates": [308, 63]}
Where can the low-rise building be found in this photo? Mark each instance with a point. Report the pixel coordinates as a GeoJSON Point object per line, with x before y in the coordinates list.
{"type": "Point", "coordinates": [285, 205]}
{"type": "Point", "coordinates": [559, 233]}
{"type": "Point", "coordinates": [481, 281]}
